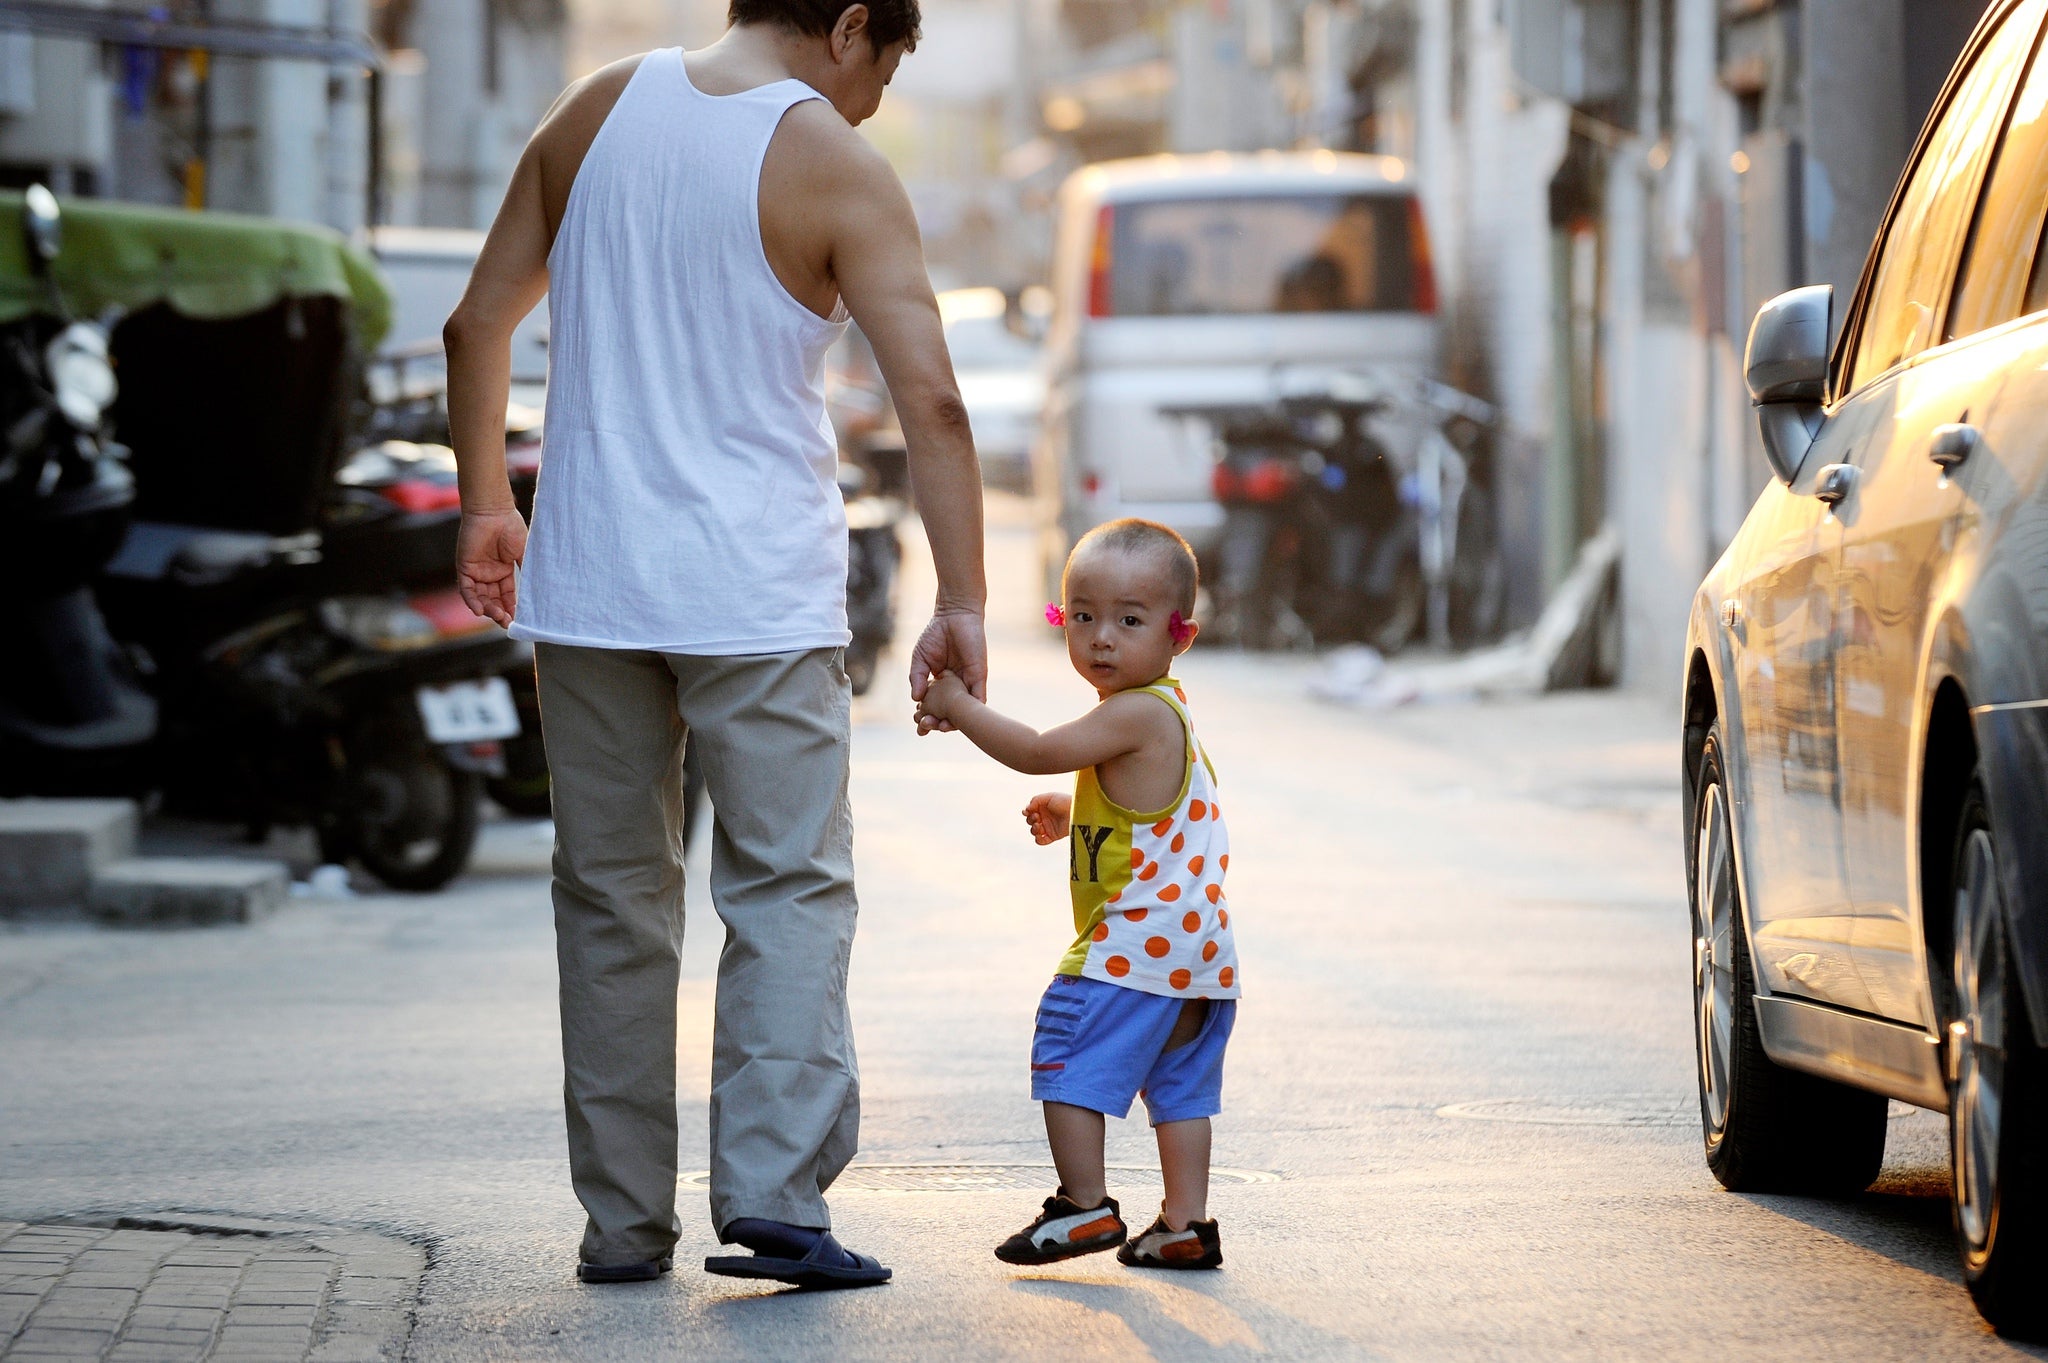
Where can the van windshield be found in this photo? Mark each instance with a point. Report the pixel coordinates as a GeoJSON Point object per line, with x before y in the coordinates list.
{"type": "Point", "coordinates": [1294, 253]}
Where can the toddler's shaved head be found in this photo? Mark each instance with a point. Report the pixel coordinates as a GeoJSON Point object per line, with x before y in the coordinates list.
{"type": "Point", "coordinates": [1161, 543]}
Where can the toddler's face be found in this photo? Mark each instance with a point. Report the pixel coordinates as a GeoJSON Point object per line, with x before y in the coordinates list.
{"type": "Point", "coordinates": [1118, 607]}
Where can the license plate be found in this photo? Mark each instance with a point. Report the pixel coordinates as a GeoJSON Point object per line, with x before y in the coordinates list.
{"type": "Point", "coordinates": [468, 711]}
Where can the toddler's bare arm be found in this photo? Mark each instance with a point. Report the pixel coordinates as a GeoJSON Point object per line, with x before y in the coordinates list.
{"type": "Point", "coordinates": [1122, 724]}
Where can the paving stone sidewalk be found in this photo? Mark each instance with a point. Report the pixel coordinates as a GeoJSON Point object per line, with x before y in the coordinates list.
{"type": "Point", "coordinates": [180, 1289]}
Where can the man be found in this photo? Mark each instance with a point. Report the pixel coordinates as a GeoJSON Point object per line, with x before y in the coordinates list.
{"type": "Point", "coordinates": [701, 223]}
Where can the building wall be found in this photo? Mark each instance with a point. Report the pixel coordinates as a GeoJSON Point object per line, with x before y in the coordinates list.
{"type": "Point", "coordinates": [1607, 220]}
{"type": "Point", "coordinates": [290, 138]}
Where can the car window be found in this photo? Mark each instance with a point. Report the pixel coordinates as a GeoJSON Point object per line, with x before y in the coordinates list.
{"type": "Point", "coordinates": [1915, 266]}
{"type": "Point", "coordinates": [1242, 255]}
{"type": "Point", "coordinates": [1993, 285]}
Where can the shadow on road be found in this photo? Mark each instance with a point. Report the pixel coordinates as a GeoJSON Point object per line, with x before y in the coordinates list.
{"type": "Point", "coordinates": [1171, 1319]}
{"type": "Point", "coordinates": [1904, 1218]}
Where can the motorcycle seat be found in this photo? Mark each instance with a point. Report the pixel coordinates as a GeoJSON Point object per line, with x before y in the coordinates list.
{"type": "Point", "coordinates": [197, 555]}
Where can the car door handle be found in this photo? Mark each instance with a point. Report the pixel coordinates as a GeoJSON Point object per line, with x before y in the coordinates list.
{"type": "Point", "coordinates": [1836, 481]}
{"type": "Point", "coordinates": [1953, 444]}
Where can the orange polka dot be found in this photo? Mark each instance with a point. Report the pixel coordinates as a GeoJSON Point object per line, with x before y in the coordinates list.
{"type": "Point", "coordinates": [1215, 811]}
{"type": "Point", "coordinates": [1223, 862]}
{"type": "Point", "coordinates": [1117, 966]}
{"type": "Point", "coordinates": [1215, 892]}
{"type": "Point", "coordinates": [1191, 923]}
{"type": "Point", "coordinates": [1181, 979]}
{"type": "Point", "coordinates": [1135, 915]}
{"type": "Point", "coordinates": [1180, 840]}
{"type": "Point", "coordinates": [1195, 867]}
{"type": "Point", "coordinates": [1223, 918]}
{"type": "Point", "coordinates": [1113, 898]}
{"type": "Point", "coordinates": [1225, 976]}
{"type": "Point", "coordinates": [1159, 829]}
{"type": "Point", "coordinates": [1157, 946]}
{"type": "Point", "coordinates": [1208, 951]}
{"type": "Point", "coordinates": [1182, 694]}
{"type": "Point", "coordinates": [1101, 933]}
{"type": "Point", "coordinates": [1197, 811]}
{"type": "Point", "coordinates": [1151, 870]}
{"type": "Point", "coordinates": [1137, 858]}
{"type": "Point", "coordinates": [1169, 893]}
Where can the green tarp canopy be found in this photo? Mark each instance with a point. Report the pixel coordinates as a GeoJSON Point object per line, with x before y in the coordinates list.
{"type": "Point", "coordinates": [208, 265]}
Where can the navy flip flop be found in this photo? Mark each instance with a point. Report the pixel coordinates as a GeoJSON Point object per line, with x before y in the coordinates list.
{"type": "Point", "coordinates": [828, 1265]}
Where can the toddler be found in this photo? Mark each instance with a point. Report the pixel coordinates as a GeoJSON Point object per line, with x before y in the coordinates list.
{"type": "Point", "coordinates": [1144, 1000]}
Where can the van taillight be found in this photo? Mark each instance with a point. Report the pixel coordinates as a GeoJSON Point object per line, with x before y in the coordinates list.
{"type": "Point", "coordinates": [1419, 264]}
{"type": "Point", "coordinates": [1098, 265]}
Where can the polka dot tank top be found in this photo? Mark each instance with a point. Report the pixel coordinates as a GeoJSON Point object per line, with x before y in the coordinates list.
{"type": "Point", "coordinates": [1149, 909]}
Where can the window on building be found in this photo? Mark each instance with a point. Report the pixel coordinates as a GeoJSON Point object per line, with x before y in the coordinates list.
{"type": "Point", "coordinates": [1994, 285]}
{"type": "Point", "coordinates": [1916, 262]}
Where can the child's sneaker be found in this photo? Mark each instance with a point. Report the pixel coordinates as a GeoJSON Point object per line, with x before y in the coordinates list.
{"type": "Point", "coordinates": [1065, 1231]}
{"type": "Point", "coordinates": [1199, 1246]}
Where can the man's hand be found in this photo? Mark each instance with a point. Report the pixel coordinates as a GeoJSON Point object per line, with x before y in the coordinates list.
{"type": "Point", "coordinates": [953, 642]}
{"type": "Point", "coordinates": [1047, 816]}
{"type": "Point", "coordinates": [488, 548]}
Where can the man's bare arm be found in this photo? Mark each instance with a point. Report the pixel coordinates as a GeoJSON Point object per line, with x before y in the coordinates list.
{"type": "Point", "coordinates": [510, 277]}
{"type": "Point", "coordinates": [877, 261]}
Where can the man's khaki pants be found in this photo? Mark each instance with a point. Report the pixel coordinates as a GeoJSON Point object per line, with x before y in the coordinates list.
{"type": "Point", "coordinates": [771, 734]}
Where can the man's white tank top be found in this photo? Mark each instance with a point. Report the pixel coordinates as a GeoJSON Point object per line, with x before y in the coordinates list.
{"type": "Point", "coordinates": [687, 499]}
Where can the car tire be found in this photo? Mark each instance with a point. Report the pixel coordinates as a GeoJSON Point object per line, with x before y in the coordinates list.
{"type": "Point", "coordinates": [1998, 1097]}
{"type": "Point", "coordinates": [1767, 1129]}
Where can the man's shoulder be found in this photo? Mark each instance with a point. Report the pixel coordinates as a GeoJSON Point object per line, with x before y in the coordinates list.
{"type": "Point", "coordinates": [572, 122]}
{"type": "Point", "coordinates": [814, 136]}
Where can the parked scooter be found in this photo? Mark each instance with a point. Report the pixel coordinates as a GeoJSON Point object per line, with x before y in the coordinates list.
{"type": "Point", "coordinates": [1326, 538]}
{"type": "Point", "coordinates": [73, 714]}
{"type": "Point", "coordinates": [873, 556]}
{"type": "Point", "coordinates": [874, 479]}
{"type": "Point", "coordinates": [288, 664]}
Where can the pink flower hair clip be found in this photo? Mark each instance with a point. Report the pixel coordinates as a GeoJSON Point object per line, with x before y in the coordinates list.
{"type": "Point", "coordinates": [1180, 629]}
{"type": "Point", "coordinates": [1055, 615]}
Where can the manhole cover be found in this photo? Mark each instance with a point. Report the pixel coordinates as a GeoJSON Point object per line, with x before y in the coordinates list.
{"type": "Point", "coordinates": [1577, 1111]}
{"type": "Point", "coordinates": [987, 1178]}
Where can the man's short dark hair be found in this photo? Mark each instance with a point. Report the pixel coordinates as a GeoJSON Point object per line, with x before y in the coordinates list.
{"type": "Point", "coordinates": [889, 21]}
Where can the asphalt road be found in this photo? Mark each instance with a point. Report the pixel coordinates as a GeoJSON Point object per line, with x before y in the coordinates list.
{"type": "Point", "coordinates": [1459, 1097]}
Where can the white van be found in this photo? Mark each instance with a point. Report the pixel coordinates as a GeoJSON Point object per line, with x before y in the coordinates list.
{"type": "Point", "coordinates": [428, 268]}
{"type": "Point", "coordinates": [1181, 280]}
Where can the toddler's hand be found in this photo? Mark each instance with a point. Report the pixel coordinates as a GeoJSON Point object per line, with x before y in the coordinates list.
{"type": "Point", "coordinates": [1047, 817]}
{"type": "Point", "coordinates": [942, 702]}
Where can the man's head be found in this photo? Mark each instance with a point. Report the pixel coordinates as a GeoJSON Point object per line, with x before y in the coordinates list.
{"type": "Point", "coordinates": [853, 48]}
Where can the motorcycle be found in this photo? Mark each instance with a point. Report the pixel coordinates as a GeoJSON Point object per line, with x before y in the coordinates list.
{"type": "Point", "coordinates": [874, 480]}
{"type": "Point", "coordinates": [1327, 538]}
{"type": "Point", "coordinates": [69, 695]}
{"type": "Point", "coordinates": [304, 660]}
{"type": "Point", "coordinates": [873, 556]}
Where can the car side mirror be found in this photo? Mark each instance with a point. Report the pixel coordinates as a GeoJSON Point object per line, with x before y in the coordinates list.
{"type": "Point", "coordinates": [1786, 368]}
{"type": "Point", "coordinates": [42, 224]}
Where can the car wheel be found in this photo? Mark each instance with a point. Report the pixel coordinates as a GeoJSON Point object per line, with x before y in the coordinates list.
{"type": "Point", "coordinates": [1767, 1128]}
{"type": "Point", "coordinates": [1998, 1121]}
